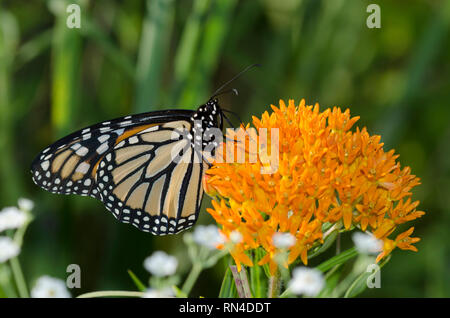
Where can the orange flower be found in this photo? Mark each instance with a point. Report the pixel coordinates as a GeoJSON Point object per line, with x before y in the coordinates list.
{"type": "Point", "coordinates": [325, 173]}
{"type": "Point", "coordinates": [402, 241]}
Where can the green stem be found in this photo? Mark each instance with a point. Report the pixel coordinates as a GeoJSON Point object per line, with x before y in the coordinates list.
{"type": "Point", "coordinates": [112, 293]}
{"type": "Point", "coordinates": [192, 278]}
{"type": "Point", "coordinates": [6, 289]}
{"type": "Point", "coordinates": [18, 277]}
{"type": "Point", "coordinates": [15, 264]}
{"type": "Point", "coordinates": [241, 282]}
{"type": "Point", "coordinates": [274, 285]}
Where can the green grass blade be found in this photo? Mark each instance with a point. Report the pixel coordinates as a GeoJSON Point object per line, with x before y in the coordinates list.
{"type": "Point", "coordinates": [188, 48]}
{"type": "Point", "coordinates": [156, 33]}
{"type": "Point", "coordinates": [140, 286]}
{"type": "Point", "coordinates": [360, 283]}
{"type": "Point", "coordinates": [9, 38]}
{"type": "Point", "coordinates": [216, 27]}
{"type": "Point", "coordinates": [338, 259]}
{"type": "Point", "coordinates": [228, 288]}
{"type": "Point", "coordinates": [33, 48]}
{"type": "Point", "coordinates": [66, 58]}
{"type": "Point", "coordinates": [98, 37]}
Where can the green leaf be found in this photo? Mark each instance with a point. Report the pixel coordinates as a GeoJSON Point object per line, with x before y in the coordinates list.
{"type": "Point", "coordinates": [360, 283]}
{"type": "Point", "coordinates": [260, 253]}
{"type": "Point", "coordinates": [228, 288]}
{"type": "Point", "coordinates": [332, 279]}
{"type": "Point", "coordinates": [338, 259]}
{"type": "Point", "coordinates": [178, 292]}
{"type": "Point", "coordinates": [140, 286]}
{"type": "Point", "coordinates": [258, 283]}
{"type": "Point", "coordinates": [326, 244]}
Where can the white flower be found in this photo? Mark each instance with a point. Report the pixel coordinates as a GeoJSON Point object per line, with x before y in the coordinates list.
{"type": "Point", "coordinates": [367, 243]}
{"type": "Point", "coordinates": [283, 240]}
{"type": "Point", "coordinates": [11, 218]}
{"type": "Point", "coordinates": [49, 287]}
{"type": "Point", "coordinates": [306, 281]}
{"type": "Point", "coordinates": [208, 236]}
{"type": "Point", "coordinates": [236, 237]}
{"type": "Point", "coordinates": [8, 249]}
{"type": "Point", "coordinates": [25, 204]}
{"type": "Point", "coordinates": [160, 264]}
{"type": "Point", "coordinates": [158, 293]}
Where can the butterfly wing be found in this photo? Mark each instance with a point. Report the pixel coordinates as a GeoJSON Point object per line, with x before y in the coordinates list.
{"type": "Point", "coordinates": [142, 183]}
{"type": "Point", "coordinates": [68, 166]}
{"type": "Point", "coordinates": [127, 163]}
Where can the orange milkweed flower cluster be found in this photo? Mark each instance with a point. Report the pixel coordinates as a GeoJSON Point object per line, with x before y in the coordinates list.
{"type": "Point", "coordinates": [326, 174]}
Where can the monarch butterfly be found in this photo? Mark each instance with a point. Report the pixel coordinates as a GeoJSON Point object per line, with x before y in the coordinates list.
{"type": "Point", "coordinates": [128, 164]}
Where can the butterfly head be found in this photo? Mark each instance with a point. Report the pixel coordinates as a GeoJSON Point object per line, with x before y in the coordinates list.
{"type": "Point", "coordinates": [209, 115]}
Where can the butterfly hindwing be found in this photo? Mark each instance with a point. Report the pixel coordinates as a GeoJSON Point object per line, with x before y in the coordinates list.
{"type": "Point", "coordinates": [141, 182]}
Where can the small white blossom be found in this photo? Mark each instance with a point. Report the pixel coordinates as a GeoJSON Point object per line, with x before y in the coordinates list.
{"type": "Point", "coordinates": [208, 236]}
{"type": "Point", "coordinates": [25, 204]}
{"type": "Point", "coordinates": [236, 237]}
{"type": "Point", "coordinates": [306, 281]}
{"type": "Point", "coordinates": [367, 243]}
{"type": "Point", "coordinates": [49, 287]}
{"type": "Point", "coordinates": [158, 293]}
{"type": "Point", "coordinates": [11, 218]}
{"type": "Point", "coordinates": [8, 249]}
{"type": "Point", "coordinates": [161, 264]}
{"type": "Point", "coordinates": [283, 240]}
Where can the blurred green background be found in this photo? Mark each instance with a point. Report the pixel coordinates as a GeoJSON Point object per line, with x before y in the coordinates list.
{"type": "Point", "coordinates": [137, 56]}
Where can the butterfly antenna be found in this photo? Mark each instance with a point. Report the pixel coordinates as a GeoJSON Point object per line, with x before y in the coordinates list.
{"type": "Point", "coordinates": [234, 114]}
{"type": "Point", "coordinates": [237, 117]}
{"type": "Point", "coordinates": [232, 90]}
{"type": "Point", "coordinates": [217, 92]}
{"type": "Point", "coordinates": [227, 119]}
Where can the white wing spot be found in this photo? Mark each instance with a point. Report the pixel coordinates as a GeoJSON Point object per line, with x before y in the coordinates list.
{"type": "Point", "coordinates": [133, 140]}
{"type": "Point", "coordinates": [45, 165]}
{"type": "Point", "coordinates": [120, 144]}
{"type": "Point", "coordinates": [149, 130]}
{"type": "Point", "coordinates": [119, 131]}
{"type": "Point", "coordinates": [75, 146]}
{"type": "Point", "coordinates": [126, 123]}
{"type": "Point", "coordinates": [103, 138]}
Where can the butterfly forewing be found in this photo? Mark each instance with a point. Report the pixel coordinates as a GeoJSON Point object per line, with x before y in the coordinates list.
{"type": "Point", "coordinates": [68, 166]}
